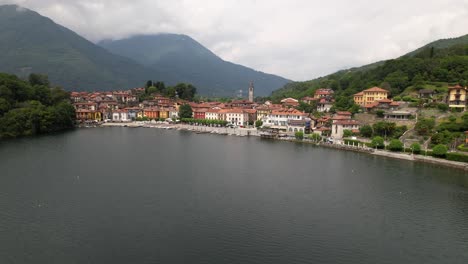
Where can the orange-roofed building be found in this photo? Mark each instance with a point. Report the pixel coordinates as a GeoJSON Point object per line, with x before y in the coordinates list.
{"type": "Point", "coordinates": [457, 97]}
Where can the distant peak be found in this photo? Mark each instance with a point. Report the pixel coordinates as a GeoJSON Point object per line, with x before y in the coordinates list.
{"type": "Point", "coordinates": [15, 8]}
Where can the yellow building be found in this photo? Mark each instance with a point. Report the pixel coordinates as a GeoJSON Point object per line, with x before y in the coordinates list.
{"type": "Point", "coordinates": [457, 97]}
{"type": "Point", "coordinates": [370, 96]}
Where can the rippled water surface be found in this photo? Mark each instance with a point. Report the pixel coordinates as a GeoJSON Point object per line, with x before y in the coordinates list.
{"type": "Point", "coordinates": [135, 195]}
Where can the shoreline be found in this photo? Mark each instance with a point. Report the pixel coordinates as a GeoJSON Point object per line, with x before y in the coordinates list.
{"type": "Point", "coordinates": [254, 132]}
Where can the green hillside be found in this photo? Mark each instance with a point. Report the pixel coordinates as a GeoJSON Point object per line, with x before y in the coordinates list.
{"type": "Point", "coordinates": [30, 43]}
{"type": "Point", "coordinates": [430, 65]}
{"type": "Point", "coordinates": [179, 58]}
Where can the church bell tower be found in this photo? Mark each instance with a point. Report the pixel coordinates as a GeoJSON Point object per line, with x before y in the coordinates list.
{"type": "Point", "coordinates": [251, 92]}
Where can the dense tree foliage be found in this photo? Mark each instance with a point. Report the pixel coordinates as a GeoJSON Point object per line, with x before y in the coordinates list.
{"type": "Point", "coordinates": [446, 64]}
{"type": "Point", "coordinates": [182, 90]}
{"type": "Point", "coordinates": [30, 108]}
{"type": "Point", "coordinates": [395, 145]}
{"type": "Point", "coordinates": [185, 111]}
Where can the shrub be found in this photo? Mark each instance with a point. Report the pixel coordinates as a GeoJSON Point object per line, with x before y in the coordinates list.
{"type": "Point", "coordinates": [457, 157]}
{"type": "Point", "coordinates": [352, 142]}
{"type": "Point", "coordinates": [416, 148]}
{"type": "Point", "coordinates": [258, 123]}
{"type": "Point", "coordinates": [366, 131]}
{"type": "Point", "coordinates": [299, 135]}
{"type": "Point", "coordinates": [395, 145]}
{"type": "Point", "coordinates": [397, 98]}
{"type": "Point", "coordinates": [442, 107]}
{"type": "Point", "coordinates": [378, 142]}
{"type": "Point", "coordinates": [315, 137]}
{"type": "Point", "coordinates": [462, 147]}
{"type": "Point", "coordinates": [379, 113]}
{"type": "Point", "coordinates": [439, 151]}
{"type": "Point", "coordinates": [347, 133]}
{"type": "Point", "coordinates": [407, 98]}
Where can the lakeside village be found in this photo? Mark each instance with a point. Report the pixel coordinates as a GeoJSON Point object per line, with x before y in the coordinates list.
{"type": "Point", "coordinates": [382, 122]}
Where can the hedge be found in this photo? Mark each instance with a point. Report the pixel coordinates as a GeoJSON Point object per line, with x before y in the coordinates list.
{"type": "Point", "coordinates": [457, 156]}
{"type": "Point", "coordinates": [462, 147]}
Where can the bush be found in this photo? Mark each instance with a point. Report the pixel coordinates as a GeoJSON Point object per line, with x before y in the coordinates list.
{"type": "Point", "coordinates": [442, 107]}
{"type": "Point", "coordinates": [352, 142]}
{"type": "Point", "coordinates": [407, 98]}
{"type": "Point", "coordinates": [378, 142]}
{"type": "Point", "coordinates": [439, 151]}
{"type": "Point", "coordinates": [415, 148]}
{"type": "Point", "coordinates": [457, 157]}
{"type": "Point", "coordinates": [366, 131]}
{"type": "Point", "coordinates": [258, 123]}
{"type": "Point", "coordinates": [397, 98]}
{"type": "Point", "coordinates": [462, 147]}
{"type": "Point", "coordinates": [395, 145]}
{"type": "Point", "coordinates": [315, 137]}
{"type": "Point", "coordinates": [299, 135]}
{"type": "Point", "coordinates": [347, 133]}
{"type": "Point", "coordinates": [379, 113]}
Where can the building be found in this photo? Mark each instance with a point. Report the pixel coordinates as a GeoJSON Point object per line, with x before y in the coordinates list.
{"type": "Point", "coordinates": [370, 95]}
{"type": "Point", "coordinates": [457, 97]}
{"type": "Point", "coordinates": [236, 116]}
{"type": "Point", "coordinates": [290, 102]}
{"type": "Point", "coordinates": [251, 92]}
{"type": "Point", "coordinates": [279, 118]}
{"type": "Point", "coordinates": [338, 127]}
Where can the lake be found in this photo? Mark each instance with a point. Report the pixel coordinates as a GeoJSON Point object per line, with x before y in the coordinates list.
{"type": "Point", "coordinates": [140, 195]}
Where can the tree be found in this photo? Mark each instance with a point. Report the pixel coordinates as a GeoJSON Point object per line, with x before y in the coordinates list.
{"type": "Point", "coordinates": [38, 79]}
{"type": "Point", "coordinates": [442, 107]}
{"type": "Point", "coordinates": [185, 111]}
{"type": "Point", "coordinates": [366, 131]}
{"type": "Point", "coordinates": [378, 142]}
{"type": "Point", "coordinates": [424, 126]}
{"type": "Point", "coordinates": [416, 148]}
{"type": "Point", "coordinates": [384, 129]}
{"type": "Point", "coordinates": [395, 145]}
{"type": "Point", "coordinates": [151, 90]}
{"type": "Point", "coordinates": [439, 151]}
{"type": "Point", "coordinates": [258, 123]}
{"type": "Point", "coordinates": [379, 113]}
{"type": "Point", "coordinates": [315, 137]}
{"type": "Point", "coordinates": [299, 135]}
{"type": "Point", "coordinates": [347, 133]}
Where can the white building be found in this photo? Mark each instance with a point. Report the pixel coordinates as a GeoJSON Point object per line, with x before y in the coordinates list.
{"type": "Point", "coordinates": [212, 114]}
{"type": "Point", "coordinates": [120, 116]}
{"type": "Point", "coordinates": [279, 118]}
{"type": "Point", "coordinates": [339, 126]}
{"type": "Point", "coordinates": [237, 117]}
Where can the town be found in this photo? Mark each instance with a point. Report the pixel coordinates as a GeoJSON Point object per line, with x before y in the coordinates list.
{"type": "Point", "coordinates": [281, 118]}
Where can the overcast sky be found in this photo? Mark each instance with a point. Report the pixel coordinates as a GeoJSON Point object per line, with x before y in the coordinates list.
{"type": "Point", "coordinates": [297, 39]}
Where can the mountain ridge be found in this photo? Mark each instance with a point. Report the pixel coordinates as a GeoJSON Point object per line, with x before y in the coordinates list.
{"type": "Point", "coordinates": [32, 43]}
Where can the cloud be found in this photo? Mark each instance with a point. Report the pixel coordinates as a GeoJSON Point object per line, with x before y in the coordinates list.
{"type": "Point", "coordinates": [298, 39]}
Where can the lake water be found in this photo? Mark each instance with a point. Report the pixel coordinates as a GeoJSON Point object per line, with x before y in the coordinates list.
{"type": "Point", "coordinates": [136, 195]}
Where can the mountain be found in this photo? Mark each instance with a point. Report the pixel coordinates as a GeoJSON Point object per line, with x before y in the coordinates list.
{"type": "Point", "coordinates": [30, 43]}
{"type": "Point", "coordinates": [433, 66]}
{"type": "Point", "coordinates": [179, 58]}
{"type": "Point", "coordinates": [441, 44]}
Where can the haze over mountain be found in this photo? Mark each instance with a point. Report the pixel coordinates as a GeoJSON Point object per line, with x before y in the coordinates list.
{"type": "Point", "coordinates": [179, 58]}
{"type": "Point", "coordinates": [30, 43]}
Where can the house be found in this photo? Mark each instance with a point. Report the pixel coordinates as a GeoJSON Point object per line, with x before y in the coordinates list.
{"type": "Point", "coordinates": [324, 105]}
{"type": "Point", "coordinates": [323, 93]}
{"type": "Point", "coordinates": [132, 112]}
{"type": "Point", "coordinates": [163, 113]}
{"type": "Point", "coordinates": [236, 116]}
{"type": "Point", "coordinates": [308, 99]}
{"type": "Point", "coordinates": [173, 113]}
{"type": "Point", "coordinates": [370, 95]}
{"type": "Point", "coordinates": [339, 126]}
{"type": "Point", "coordinates": [398, 115]}
{"type": "Point", "coordinates": [199, 113]}
{"type": "Point", "coordinates": [279, 118]}
{"type": "Point", "coordinates": [151, 113]}
{"type": "Point", "coordinates": [457, 97]}
{"type": "Point", "coordinates": [212, 114]}
{"type": "Point", "coordinates": [426, 93]}
{"type": "Point", "coordinates": [290, 102]}
{"type": "Point", "coordinates": [120, 115]}
{"type": "Point", "coordinates": [88, 115]}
